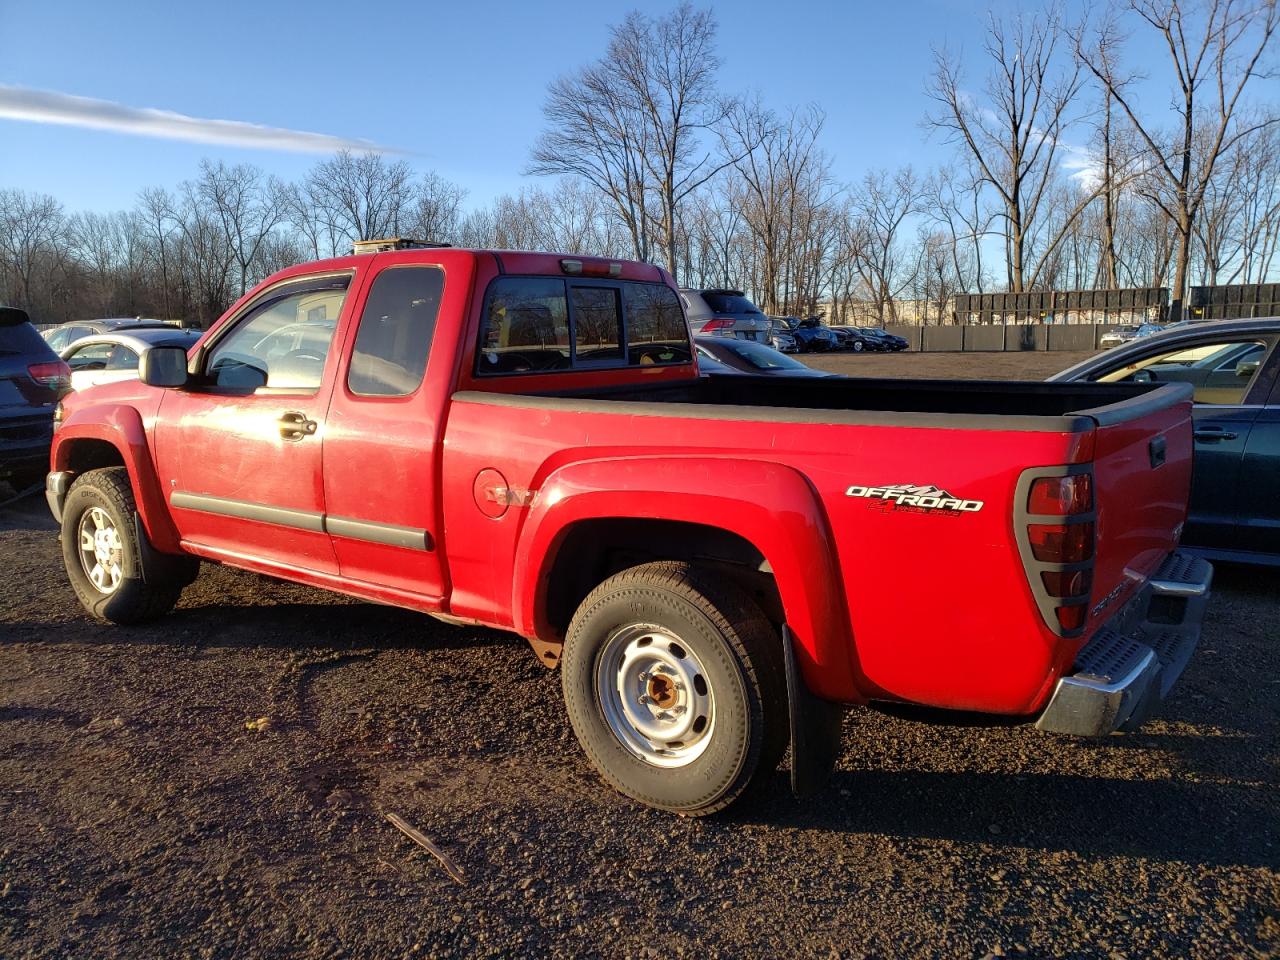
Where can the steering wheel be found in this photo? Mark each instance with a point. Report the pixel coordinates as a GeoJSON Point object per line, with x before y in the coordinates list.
{"type": "Point", "coordinates": [303, 353]}
{"type": "Point", "coordinates": [1144, 376]}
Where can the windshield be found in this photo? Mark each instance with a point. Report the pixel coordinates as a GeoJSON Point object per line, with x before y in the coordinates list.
{"type": "Point", "coordinates": [760, 356]}
{"type": "Point", "coordinates": [729, 302]}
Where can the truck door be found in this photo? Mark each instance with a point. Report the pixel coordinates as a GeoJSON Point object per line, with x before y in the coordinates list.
{"type": "Point", "coordinates": [239, 451]}
{"type": "Point", "coordinates": [383, 435]}
{"type": "Point", "coordinates": [1259, 491]}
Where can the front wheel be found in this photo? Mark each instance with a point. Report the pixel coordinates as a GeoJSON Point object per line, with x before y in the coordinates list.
{"type": "Point", "coordinates": [857, 346]}
{"type": "Point", "coordinates": [674, 683]}
{"type": "Point", "coordinates": [103, 557]}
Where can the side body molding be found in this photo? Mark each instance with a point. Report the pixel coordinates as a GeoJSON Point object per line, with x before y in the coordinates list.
{"type": "Point", "coordinates": [771, 506]}
{"type": "Point", "coordinates": [121, 426]}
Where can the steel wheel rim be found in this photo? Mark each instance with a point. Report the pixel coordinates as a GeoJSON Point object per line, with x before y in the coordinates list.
{"type": "Point", "coordinates": [101, 550]}
{"type": "Point", "coordinates": [655, 695]}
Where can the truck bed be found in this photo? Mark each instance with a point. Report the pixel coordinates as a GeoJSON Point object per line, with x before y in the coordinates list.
{"type": "Point", "coordinates": [971, 404]}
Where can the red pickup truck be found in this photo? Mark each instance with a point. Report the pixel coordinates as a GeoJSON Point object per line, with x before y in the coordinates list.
{"type": "Point", "coordinates": [718, 565]}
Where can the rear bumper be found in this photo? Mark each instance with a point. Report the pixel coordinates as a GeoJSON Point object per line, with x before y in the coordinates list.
{"type": "Point", "coordinates": [1130, 665]}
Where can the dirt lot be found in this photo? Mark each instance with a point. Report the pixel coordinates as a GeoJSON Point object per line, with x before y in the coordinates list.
{"type": "Point", "coordinates": [1032, 365]}
{"type": "Point", "coordinates": [213, 785]}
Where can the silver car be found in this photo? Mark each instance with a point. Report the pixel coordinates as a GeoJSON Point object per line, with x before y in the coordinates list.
{"type": "Point", "coordinates": [1127, 333]}
{"type": "Point", "coordinates": [111, 357]}
{"type": "Point", "coordinates": [725, 313]}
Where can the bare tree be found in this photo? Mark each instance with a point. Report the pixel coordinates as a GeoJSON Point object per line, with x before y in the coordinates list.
{"type": "Point", "coordinates": [631, 124]}
{"type": "Point", "coordinates": [881, 206]}
{"type": "Point", "coordinates": [359, 196]}
{"type": "Point", "coordinates": [32, 234]}
{"type": "Point", "coordinates": [248, 205]}
{"type": "Point", "coordinates": [1014, 137]}
{"type": "Point", "coordinates": [1215, 48]}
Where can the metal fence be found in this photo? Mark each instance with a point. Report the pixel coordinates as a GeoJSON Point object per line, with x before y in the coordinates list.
{"type": "Point", "coordinates": [1127, 305]}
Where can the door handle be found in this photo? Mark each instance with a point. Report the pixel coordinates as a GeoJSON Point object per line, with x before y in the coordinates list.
{"type": "Point", "coordinates": [295, 425]}
{"type": "Point", "coordinates": [1212, 434]}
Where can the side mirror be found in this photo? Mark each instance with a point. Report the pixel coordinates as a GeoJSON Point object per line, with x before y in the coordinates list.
{"type": "Point", "coordinates": [1247, 368]}
{"type": "Point", "coordinates": [163, 367]}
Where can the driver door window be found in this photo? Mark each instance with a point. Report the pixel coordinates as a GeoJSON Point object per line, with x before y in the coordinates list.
{"type": "Point", "coordinates": [282, 343]}
{"type": "Point", "coordinates": [91, 357]}
{"type": "Point", "coordinates": [1221, 373]}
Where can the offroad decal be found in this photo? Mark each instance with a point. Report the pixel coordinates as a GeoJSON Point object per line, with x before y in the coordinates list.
{"type": "Point", "coordinates": [913, 498]}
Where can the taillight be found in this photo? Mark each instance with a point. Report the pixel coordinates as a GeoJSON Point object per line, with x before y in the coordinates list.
{"type": "Point", "coordinates": [55, 374]}
{"type": "Point", "coordinates": [1061, 542]}
{"type": "Point", "coordinates": [1061, 496]}
{"type": "Point", "coordinates": [1056, 536]}
{"type": "Point", "coordinates": [718, 323]}
{"type": "Point", "coordinates": [1067, 583]}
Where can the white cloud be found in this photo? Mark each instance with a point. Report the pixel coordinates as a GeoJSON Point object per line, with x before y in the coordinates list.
{"type": "Point", "coordinates": [1083, 166]}
{"type": "Point", "coordinates": [46, 106]}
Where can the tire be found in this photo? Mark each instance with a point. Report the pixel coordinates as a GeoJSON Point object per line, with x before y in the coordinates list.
{"type": "Point", "coordinates": [101, 503]}
{"type": "Point", "coordinates": [857, 346]}
{"type": "Point", "coordinates": [709, 649]}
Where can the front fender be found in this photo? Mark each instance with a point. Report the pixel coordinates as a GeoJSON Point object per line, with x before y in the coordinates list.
{"type": "Point", "coordinates": [771, 506]}
{"type": "Point", "coordinates": [121, 426]}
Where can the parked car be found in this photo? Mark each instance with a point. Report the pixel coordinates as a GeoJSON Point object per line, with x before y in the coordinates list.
{"type": "Point", "coordinates": [746, 357]}
{"type": "Point", "coordinates": [693, 552]}
{"type": "Point", "coordinates": [889, 342]}
{"type": "Point", "coordinates": [1234, 368]}
{"type": "Point", "coordinates": [108, 357]}
{"type": "Point", "coordinates": [724, 313]}
{"type": "Point", "coordinates": [855, 339]}
{"type": "Point", "coordinates": [812, 335]}
{"type": "Point", "coordinates": [62, 335]}
{"type": "Point", "coordinates": [1127, 333]}
{"type": "Point", "coordinates": [780, 337]}
{"type": "Point", "coordinates": [32, 378]}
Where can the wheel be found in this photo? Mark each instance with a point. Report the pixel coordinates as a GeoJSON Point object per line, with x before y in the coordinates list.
{"type": "Point", "coordinates": [857, 346]}
{"type": "Point", "coordinates": [102, 555]}
{"type": "Point", "coordinates": [675, 686]}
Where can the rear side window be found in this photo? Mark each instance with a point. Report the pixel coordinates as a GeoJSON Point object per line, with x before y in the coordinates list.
{"type": "Point", "coordinates": [543, 325]}
{"type": "Point", "coordinates": [729, 302]}
{"type": "Point", "coordinates": [394, 338]}
{"type": "Point", "coordinates": [656, 332]}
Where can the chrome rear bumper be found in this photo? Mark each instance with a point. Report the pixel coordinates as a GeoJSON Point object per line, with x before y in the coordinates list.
{"type": "Point", "coordinates": [1130, 665]}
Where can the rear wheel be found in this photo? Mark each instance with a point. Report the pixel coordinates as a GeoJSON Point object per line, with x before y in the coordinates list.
{"type": "Point", "coordinates": [857, 346]}
{"type": "Point", "coordinates": [675, 687]}
{"type": "Point", "coordinates": [103, 557]}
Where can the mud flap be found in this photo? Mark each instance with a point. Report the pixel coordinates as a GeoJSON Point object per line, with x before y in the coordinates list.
{"type": "Point", "coordinates": [815, 729]}
{"type": "Point", "coordinates": [158, 568]}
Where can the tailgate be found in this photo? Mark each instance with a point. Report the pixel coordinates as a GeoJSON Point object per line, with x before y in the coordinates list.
{"type": "Point", "coordinates": [1142, 479]}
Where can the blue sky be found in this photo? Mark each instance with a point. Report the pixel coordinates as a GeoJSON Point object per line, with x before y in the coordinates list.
{"type": "Point", "coordinates": [457, 86]}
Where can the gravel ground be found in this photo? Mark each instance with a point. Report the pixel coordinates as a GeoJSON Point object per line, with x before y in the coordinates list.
{"type": "Point", "coordinates": [1032, 365]}
{"type": "Point", "coordinates": [214, 785]}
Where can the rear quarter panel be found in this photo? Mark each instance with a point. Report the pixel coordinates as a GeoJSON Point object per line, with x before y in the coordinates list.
{"type": "Point", "coordinates": [929, 608]}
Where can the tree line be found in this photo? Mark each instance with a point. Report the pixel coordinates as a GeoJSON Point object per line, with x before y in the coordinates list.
{"type": "Point", "coordinates": [1072, 169]}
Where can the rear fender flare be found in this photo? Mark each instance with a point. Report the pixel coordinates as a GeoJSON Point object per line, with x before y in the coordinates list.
{"type": "Point", "coordinates": [122, 427]}
{"type": "Point", "coordinates": [771, 506]}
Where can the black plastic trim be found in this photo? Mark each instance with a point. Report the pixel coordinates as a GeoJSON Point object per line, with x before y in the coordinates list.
{"type": "Point", "coordinates": [389, 534]}
{"type": "Point", "coordinates": [1068, 423]}
{"type": "Point", "coordinates": [244, 510]}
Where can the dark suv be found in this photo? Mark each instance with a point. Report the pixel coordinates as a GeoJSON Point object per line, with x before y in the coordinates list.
{"type": "Point", "coordinates": [32, 378]}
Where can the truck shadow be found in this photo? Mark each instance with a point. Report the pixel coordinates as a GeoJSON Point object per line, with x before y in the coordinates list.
{"type": "Point", "coordinates": [1222, 825]}
{"type": "Point", "coordinates": [289, 625]}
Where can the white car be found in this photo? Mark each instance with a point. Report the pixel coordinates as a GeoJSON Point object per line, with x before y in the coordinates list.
{"type": "Point", "coordinates": [110, 357]}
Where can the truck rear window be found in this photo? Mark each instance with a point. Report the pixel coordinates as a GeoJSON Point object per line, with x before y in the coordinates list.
{"type": "Point", "coordinates": [546, 324]}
